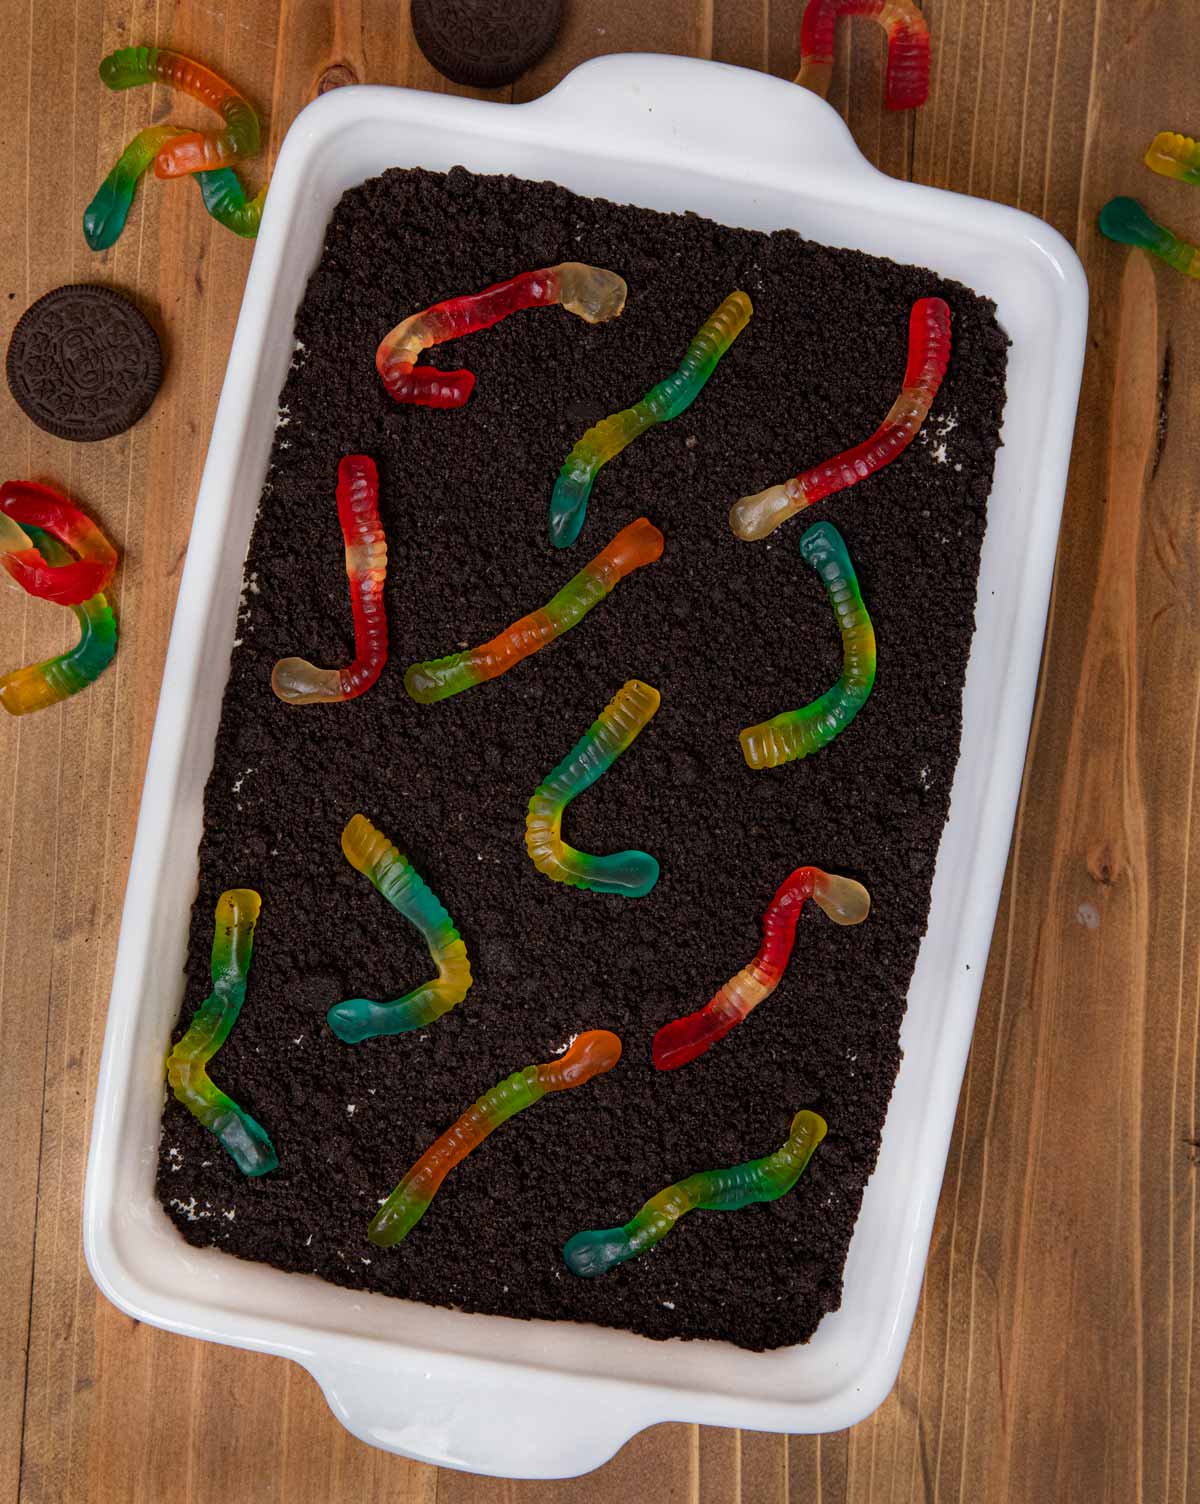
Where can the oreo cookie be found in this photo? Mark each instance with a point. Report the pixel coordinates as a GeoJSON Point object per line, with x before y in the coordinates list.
{"type": "Point", "coordinates": [485, 43]}
{"type": "Point", "coordinates": [84, 363]}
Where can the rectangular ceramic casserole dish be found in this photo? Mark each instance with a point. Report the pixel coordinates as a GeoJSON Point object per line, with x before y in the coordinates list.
{"type": "Point", "coordinates": [539, 1399]}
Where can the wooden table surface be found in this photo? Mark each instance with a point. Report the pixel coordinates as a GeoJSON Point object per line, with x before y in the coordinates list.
{"type": "Point", "coordinates": [1052, 1357]}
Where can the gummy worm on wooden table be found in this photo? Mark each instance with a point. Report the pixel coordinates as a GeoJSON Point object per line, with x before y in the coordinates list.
{"type": "Point", "coordinates": [71, 583]}
{"type": "Point", "coordinates": [56, 679]}
{"type": "Point", "coordinates": [192, 151]}
{"type": "Point", "coordinates": [908, 47]}
{"type": "Point", "coordinates": [1174, 156]}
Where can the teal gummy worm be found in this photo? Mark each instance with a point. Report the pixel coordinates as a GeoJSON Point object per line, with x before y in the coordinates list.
{"type": "Point", "coordinates": [591, 1253]}
{"type": "Point", "coordinates": [225, 199]}
{"type": "Point", "coordinates": [1125, 221]}
{"type": "Point", "coordinates": [242, 1138]}
{"type": "Point", "coordinates": [568, 504]}
{"type": "Point", "coordinates": [799, 733]}
{"type": "Point", "coordinates": [104, 218]}
{"type": "Point", "coordinates": [370, 852]}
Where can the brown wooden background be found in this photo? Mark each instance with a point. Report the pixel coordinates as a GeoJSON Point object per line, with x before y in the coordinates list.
{"type": "Point", "coordinates": [1052, 1357]}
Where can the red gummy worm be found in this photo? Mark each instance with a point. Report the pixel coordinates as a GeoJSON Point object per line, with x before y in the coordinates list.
{"type": "Point", "coordinates": [429, 387]}
{"type": "Point", "coordinates": [928, 357]}
{"type": "Point", "coordinates": [358, 513]}
{"type": "Point", "coordinates": [65, 584]}
{"type": "Point", "coordinates": [842, 899]}
{"type": "Point", "coordinates": [908, 47]}
{"type": "Point", "coordinates": [295, 679]}
{"type": "Point", "coordinates": [591, 293]}
{"type": "Point", "coordinates": [753, 517]}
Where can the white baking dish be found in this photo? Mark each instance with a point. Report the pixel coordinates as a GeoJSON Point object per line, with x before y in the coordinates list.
{"type": "Point", "coordinates": [539, 1399]}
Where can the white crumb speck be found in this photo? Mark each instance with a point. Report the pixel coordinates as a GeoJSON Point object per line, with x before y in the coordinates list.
{"type": "Point", "coordinates": [924, 777]}
{"type": "Point", "coordinates": [241, 778]}
{"type": "Point", "coordinates": [299, 1041]}
{"type": "Point", "coordinates": [370, 1091]}
{"type": "Point", "coordinates": [308, 1240]}
{"type": "Point", "coordinates": [563, 1048]}
{"type": "Point", "coordinates": [237, 641]}
{"type": "Point", "coordinates": [350, 1109]}
{"type": "Point", "coordinates": [231, 1213]}
{"type": "Point", "coordinates": [939, 454]}
{"type": "Point", "coordinates": [189, 1210]}
{"type": "Point", "coordinates": [670, 1304]}
{"type": "Point", "coordinates": [362, 1260]}
{"type": "Point", "coordinates": [282, 417]}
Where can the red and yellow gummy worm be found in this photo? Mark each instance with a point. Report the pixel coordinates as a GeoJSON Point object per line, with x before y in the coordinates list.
{"type": "Point", "coordinates": [841, 898]}
{"type": "Point", "coordinates": [755, 516]}
{"type": "Point", "coordinates": [295, 679]}
{"type": "Point", "coordinates": [590, 292]}
{"type": "Point", "coordinates": [908, 47]}
{"type": "Point", "coordinates": [28, 505]}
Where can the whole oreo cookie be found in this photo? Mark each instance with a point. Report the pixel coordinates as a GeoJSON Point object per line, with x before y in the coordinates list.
{"type": "Point", "coordinates": [83, 363]}
{"type": "Point", "coordinates": [485, 43]}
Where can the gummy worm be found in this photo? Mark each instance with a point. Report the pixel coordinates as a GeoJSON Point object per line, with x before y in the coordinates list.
{"type": "Point", "coordinates": [590, 1055]}
{"type": "Point", "coordinates": [1174, 156]}
{"type": "Point", "coordinates": [841, 898]}
{"type": "Point", "coordinates": [295, 679]}
{"type": "Point", "coordinates": [797, 733]}
{"type": "Point", "coordinates": [755, 516]}
{"type": "Point", "coordinates": [244, 1140]}
{"type": "Point", "coordinates": [370, 852]}
{"type": "Point", "coordinates": [104, 218]}
{"type": "Point", "coordinates": [73, 582]}
{"type": "Point", "coordinates": [638, 544]}
{"type": "Point", "coordinates": [1124, 220]}
{"type": "Point", "coordinates": [44, 684]}
{"type": "Point", "coordinates": [225, 199]}
{"type": "Point", "coordinates": [192, 151]}
{"type": "Point", "coordinates": [592, 293]}
{"type": "Point", "coordinates": [13, 539]}
{"type": "Point", "coordinates": [672, 396]}
{"type": "Point", "coordinates": [590, 1253]}
{"type": "Point", "coordinates": [908, 47]}
{"type": "Point", "coordinates": [631, 873]}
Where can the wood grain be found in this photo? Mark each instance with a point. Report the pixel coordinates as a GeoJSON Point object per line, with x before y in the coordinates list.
{"type": "Point", "coordinates": [1053, 1356]}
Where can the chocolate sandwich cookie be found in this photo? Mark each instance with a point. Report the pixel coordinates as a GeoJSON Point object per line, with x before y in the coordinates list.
{"type": "Point", "coordinates": [84, 363]}
{"type": "Point", "coordinates": [485, 43]}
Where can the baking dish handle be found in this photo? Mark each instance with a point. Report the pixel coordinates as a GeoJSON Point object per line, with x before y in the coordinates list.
{"type": "Point", "coordinates": [461, 1413]}
{"type": "Point", "coordinates": [645, 102]}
